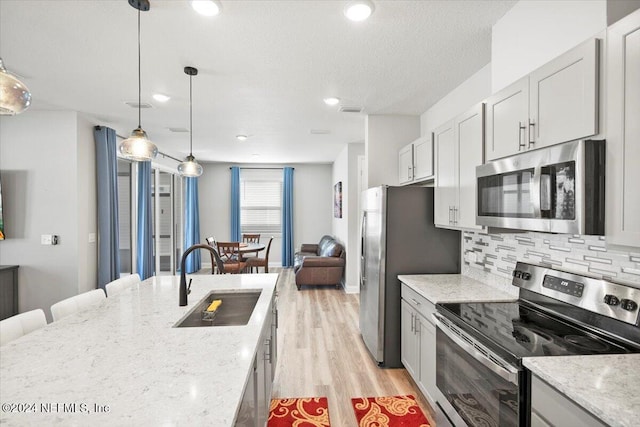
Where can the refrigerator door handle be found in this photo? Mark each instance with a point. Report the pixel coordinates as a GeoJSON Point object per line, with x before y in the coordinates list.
{"type": "Point", "coordinates": [363, 257]}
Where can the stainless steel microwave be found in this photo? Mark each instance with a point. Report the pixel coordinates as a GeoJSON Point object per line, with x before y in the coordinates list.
{"type": "Point", "coordinates": [557, 189]}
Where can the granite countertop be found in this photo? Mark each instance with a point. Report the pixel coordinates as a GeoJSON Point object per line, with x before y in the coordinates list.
{"type": "Point", "coordinates": [125, 354]}
{"type": "Point", "coordinates": [454, 288]}
{"type": "Point", "coordinates": [608, 386]}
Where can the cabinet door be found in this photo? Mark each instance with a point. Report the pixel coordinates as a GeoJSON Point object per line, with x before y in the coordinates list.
{"type": "Point", "coordinates": [507, 118]}
{"type": "Point", "coordinates": [247, 414]}
{"type": "Point", "coordinates": [470, 134]}
{"type": "Point", "coordinates": [408, 340]}
{"type": "Point", "coordinates": [405, 164]}
{"type": "Point", "coordinates": [423, 158]}
{"type": "Point", "coordinates": [623, 132]}
{"type": "Point", "coordinates": [563, 93]}
{"type": "Point", "coordinates": [446, 174]}
{"type": "Point", "coordinates": [427, 331]}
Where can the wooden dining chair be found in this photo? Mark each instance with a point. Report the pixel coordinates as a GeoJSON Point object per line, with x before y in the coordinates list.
{"type": "Point", "coordinates": [211, 241]}
{"type": "Point", "coordinates": [250, 238]}
{"type": "Point", "coordinates": [229, 254]}
{"type": "Point", "coordinates": [260, 262]}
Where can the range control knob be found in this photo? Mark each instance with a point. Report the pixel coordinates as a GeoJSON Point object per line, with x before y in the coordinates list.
{"type": "Point", "coordinates": [526, 276]}
{"type": "Point", "coordinates": [612, 300]}
{"type": "Point", "coordinates": [628, 305]}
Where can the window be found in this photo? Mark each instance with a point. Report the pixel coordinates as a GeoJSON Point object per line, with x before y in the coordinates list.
{"type": "Point", "coordinates": [261, 201]}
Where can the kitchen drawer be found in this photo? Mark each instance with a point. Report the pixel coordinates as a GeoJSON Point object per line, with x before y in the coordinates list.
{"type": "Point", "coordinates": [418, 302]}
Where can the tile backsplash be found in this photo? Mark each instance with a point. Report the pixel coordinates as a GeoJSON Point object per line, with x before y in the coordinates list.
{"type": "Point", "coordinates": [589, 255]}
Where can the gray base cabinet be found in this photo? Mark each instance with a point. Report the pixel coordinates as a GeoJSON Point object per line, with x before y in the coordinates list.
{"type": "Point", "coordinates": [254, 409]}
{"type": "Point", "coordinates": [550, 408]}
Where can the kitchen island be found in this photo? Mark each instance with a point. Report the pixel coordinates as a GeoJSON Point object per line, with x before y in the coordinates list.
{"type": "Point", "coordinates": [124, 363]}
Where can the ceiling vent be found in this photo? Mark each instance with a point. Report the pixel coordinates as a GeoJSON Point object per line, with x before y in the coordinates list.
{"type": "Point", "coordinates": [134, 104]}
{"type": "Point", "coordinates": [179, 130]}
{"type": "Point", "coordinates": [350, 109]}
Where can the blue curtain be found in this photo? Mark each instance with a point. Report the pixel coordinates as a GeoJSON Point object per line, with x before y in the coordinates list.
{"type": "Point", "coordinates": [287, 218]}
{"type": "Point", "coordinates": [192, 224]}
{"type": "Point", "coordinates": [144, 249]}
{"type": "Point", "coordinates": [235, 204]}
{"type": "Point", "coordinates": [107, 186]}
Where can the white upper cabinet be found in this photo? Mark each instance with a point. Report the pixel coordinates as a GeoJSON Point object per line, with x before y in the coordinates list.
{"type": "Point", "coordinates": [470, 136]}
{"type": "Point", "coordinates": [405, 164]}
{"type": "Point", "coordinates": [415, 161]}
{"type": "Point", "coordinates": [446, 174]}
{"type": "Point", "coordinates": [459, 147]}
{"type": "Point", "coordinates": [507, 118]}
{"type": "Point", "coordinates": [556, 103]}
{"type": "Point", "coordinates": [423, 158]}
{"type": "Point", "coordinates": [623, 132]}
{"type": "Point", "coordinates": [563, 97]}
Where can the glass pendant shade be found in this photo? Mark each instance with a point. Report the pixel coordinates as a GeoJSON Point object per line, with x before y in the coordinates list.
{"type": "Point", "coordinates": [190, 167]}
{"type": "Point", "coordinates": [14, 95]}
{"type": "Point", "coordinates": [138, 147]}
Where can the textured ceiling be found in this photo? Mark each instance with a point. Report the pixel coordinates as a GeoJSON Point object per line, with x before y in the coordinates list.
{"type": "Point", "coordinates": [265, 67]}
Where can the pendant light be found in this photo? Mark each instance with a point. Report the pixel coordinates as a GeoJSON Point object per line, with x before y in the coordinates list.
{"type": "Point", "coordinates": [138, 147]}
{"type": "Point", "coordinates": [14, 95]}
{"type": "Point", "coordinates": [190, 168]}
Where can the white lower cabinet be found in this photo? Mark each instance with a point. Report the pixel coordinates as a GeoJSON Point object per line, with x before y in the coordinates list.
{"type": "Point", "coordinates": [254, 408]}
{"type": "Point", "coordinates": [418, 342]}
{"type": "Point", "coordinates": [550, 408]}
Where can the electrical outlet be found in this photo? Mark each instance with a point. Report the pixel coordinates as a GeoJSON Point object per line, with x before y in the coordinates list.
{"type": "Point", "coordinates": [92, 237]}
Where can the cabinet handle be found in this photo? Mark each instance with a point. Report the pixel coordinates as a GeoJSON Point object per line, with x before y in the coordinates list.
{"type": "Point", "coordinates": [532, 133]}
{"type": "Point", "coordinates": [268, 355]}
{"type": "Point", "coordinates": [520, 129]}
{"type": "Point", "coordinates": [417, 331]}
{"type": "Point", "coordinates": [455, 215]}
{"type": "Point", "coordinates": [412, 327]}
{"type": "Point", "coordinates": [415, 301]}
{"type": "Point", "coordinates": [450, 211]}
{"type": "Point", "coordinates": [409, 174]}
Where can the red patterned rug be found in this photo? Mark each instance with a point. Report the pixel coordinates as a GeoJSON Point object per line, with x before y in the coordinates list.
{"type": "Point", "coordinates": [389, 411]}
{"type": "Point", "coordinates": [299, 412]}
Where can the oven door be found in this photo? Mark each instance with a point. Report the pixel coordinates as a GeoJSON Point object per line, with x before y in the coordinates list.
{"type": "Point", "coordinates": [481, 389]}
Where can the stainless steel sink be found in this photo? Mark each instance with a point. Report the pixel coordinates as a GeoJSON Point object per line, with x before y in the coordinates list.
{"type": "Point", "coordinates": [236, 309]}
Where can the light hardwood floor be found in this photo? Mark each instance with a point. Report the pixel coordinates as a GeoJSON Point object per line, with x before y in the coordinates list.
{"type": "Point", "coordinates": [321, 352]}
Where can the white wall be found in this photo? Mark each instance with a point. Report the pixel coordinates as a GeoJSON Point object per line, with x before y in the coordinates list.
{"type": "Point", "coordinates": [87, 207]}
{"type": "Point", "coordinates": [312, 200]}
{"type": "Point", "coordinates": [384, 136]}
{"type": "Point", "coordinates": [473, 90]}
{"type": "Point", "coordinates": [535, 31]}
{"type": "Point", "coordinates": [345, 229]}
{"type": "Point", "coordinates": [46, 158]}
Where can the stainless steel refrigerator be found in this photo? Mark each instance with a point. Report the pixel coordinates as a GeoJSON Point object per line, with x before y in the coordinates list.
{"type": "Point", "coordinates": [397, 237]}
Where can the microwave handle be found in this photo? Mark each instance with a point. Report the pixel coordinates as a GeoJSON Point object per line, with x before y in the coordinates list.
{"type": "Point", "coordinates": [507, 373]}
{"type": "Point", "coordinates": [536, 198]}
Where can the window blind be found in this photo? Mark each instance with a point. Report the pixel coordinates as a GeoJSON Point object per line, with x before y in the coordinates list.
{"type": "Point", "coordinates": [261, 201]}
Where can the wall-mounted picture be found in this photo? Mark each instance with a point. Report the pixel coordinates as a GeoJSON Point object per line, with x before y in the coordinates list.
{"type": "Point", "coordinates": [337, 200]}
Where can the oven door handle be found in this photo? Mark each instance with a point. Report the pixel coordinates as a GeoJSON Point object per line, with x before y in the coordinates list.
{"type": "Point", "coordinates": [507, 373]}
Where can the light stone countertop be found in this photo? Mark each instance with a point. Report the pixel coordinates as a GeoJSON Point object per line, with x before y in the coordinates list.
{"type": "Point", "coordinates": [454, 288]}
{"type": "Point", "coordinates": [125, 353]}
{"type": "Point", "coordinates": [608, 386]}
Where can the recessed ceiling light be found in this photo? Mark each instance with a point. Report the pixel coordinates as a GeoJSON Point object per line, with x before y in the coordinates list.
{"type": "Point", "coordinates": [358, 10]}
{"type": "Point", "coordinates": [161, 98]}
{"type": "Point", "coordinates": [206, 7]}
{"type": "Point", "coordinates": [332, 101]}
{"type": "Point", "coordinates": [241, 137]}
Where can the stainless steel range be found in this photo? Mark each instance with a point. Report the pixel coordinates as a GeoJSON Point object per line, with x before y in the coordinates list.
{"type": "Point", "coordinates": [480, 346]}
